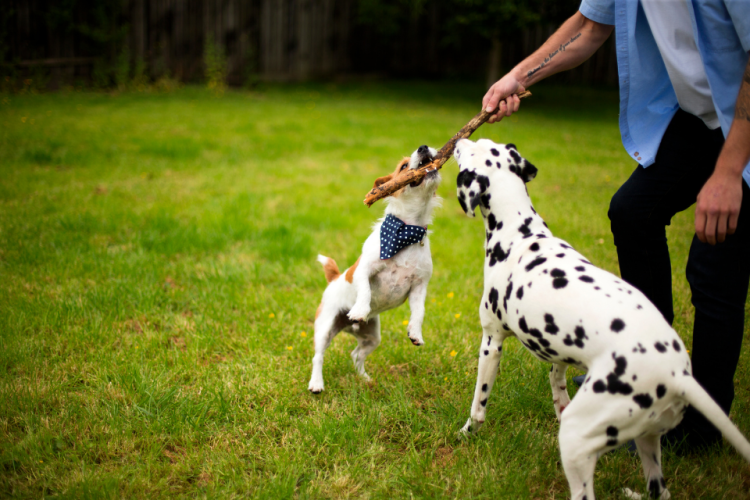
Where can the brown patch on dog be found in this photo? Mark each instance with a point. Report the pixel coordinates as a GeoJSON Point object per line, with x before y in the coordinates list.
{"type": "Point", "coordinates": [331, 269]}
{"type": "Point", "coordinates": [403, 164]}
{"type": "Point", "coordinates": [349, 276]}
{"type": "Point", "coordinates": [320, 308]}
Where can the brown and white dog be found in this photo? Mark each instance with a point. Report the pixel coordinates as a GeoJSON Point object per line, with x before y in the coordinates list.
{"type": "Point", "coordinates": [354, 299]}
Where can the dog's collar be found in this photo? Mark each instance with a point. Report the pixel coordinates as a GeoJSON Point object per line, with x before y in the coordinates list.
{"type": "Point", "coordinates": [395, 235]}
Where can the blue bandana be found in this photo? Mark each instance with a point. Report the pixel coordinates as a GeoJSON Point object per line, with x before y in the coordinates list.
{"type": "Point", "coordinates": [395, 235]}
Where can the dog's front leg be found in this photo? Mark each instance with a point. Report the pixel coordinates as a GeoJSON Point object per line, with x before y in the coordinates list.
{"type": "Point", "coordinates": [417, 297]}
{"type": "Point", "coordinates": [489, 359]}
{"type": "Point", "coordinates": [560, 396]}
{"type": "Point", "coordinates": [360, 311]}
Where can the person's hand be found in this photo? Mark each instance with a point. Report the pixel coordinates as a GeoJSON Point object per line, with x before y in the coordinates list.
{"type": "Point", "coordinates": [718, 208]}
{"type": "Point", "coordinates": [502, 98]}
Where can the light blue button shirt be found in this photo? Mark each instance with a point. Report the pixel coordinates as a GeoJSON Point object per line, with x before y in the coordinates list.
{"type": "Point", "coordinates": [647, 99]}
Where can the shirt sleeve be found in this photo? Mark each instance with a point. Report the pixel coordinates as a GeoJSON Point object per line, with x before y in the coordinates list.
{"type": "Point", "coordinates": [603, 11]}
{"type": "Point", "coordinates": [739, 11]}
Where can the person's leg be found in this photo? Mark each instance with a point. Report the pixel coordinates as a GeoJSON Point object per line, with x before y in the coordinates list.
{"type": "Point", "coordinates": [718, 277]}
{"type": "Point", "coordinates": [645, 204]}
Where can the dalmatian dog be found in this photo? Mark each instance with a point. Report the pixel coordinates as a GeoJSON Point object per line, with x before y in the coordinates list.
{"type": "Point", "coordinates": [395, 264]}
{"type": "Point", "coordinates": [566, 311]}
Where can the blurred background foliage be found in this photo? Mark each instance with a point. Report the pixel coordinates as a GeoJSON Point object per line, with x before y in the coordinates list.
{"type": "Point", "coordinates": [120, 44]}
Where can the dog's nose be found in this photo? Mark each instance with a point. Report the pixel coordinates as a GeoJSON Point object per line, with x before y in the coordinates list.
{"type": "Point", "coordinates": [423, 150]}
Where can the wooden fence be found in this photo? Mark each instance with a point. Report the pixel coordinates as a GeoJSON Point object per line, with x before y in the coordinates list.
{"type": "Point", "coordinates": [276, 40]}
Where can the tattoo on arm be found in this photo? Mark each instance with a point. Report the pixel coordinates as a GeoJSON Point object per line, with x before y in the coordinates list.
{"type": "Point", "coordinates": [742, 109]}
{"type": "Point", "coordinates": [562, 48]}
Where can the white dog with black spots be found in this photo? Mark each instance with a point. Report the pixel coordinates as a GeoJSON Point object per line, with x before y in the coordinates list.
{"type": "Point", "coordinates": [566, 311]}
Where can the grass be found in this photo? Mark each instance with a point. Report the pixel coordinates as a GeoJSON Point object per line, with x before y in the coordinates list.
{"type": "Point", "coordinates": [158, 287]}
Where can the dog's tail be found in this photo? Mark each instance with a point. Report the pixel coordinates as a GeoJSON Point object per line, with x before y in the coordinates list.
{"type": "Point", "coordinates": [697, 396]}
{"type": "Point", "coordinates": [330, 267]}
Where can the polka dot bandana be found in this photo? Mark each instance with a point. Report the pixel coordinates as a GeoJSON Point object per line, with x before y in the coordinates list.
{"type": "Point", "coordinates": [395, 234]}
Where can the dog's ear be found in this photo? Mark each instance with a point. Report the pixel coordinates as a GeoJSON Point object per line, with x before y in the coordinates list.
{"type": "Point", "coordinates": [528, 172]}
{"type": "Point", "coordinates": [382, 180]}
{"type": "Point", "coordinates": [470, 187]}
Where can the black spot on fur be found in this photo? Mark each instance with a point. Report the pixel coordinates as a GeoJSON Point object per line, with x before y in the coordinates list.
{"type": "Point", "coordinates": [612, 433]}
{"type": "Point", "coordinates": [534, 247]}
{"type": "Point", "coordinates": [484, 387]}
{"type": "Point", "coordinates": [522, 325]}
{"type": "Point", "coordinates": [550, 326]}
{"type": "Point", "coordinates": [557, 273]}
{"type": "Point", "coordinates": [524, 228]}
{"type": "Point", "coordinates": [661, 390]}
{"type": "Point", "coordinates": [660, 347]}
{"type": "Point", "coordinates": [486, 353]}
{"type": "Point", "coordinates": [508, 291]}
{"type": "Point", "coordinates": [644, 400]}
{"type": "Point", "coordinates": [599, 386]}
{"type": "Point", "coordinates": [510, 146]}
{"type": "Point", "coordinates": [493, 297]}
{"type": "Point", "coordinates": [558, 283]}
{"type": "Point", "coordinates": [539, 260]}
{"type": "Point", "coordinates": [495, 152]}
{"type": "Point", "coordinates": [483, 402]}
{"type": "Point", "coordinates": [485, 200]}
{"type": "Point", "coordinates": [614, 385]}
{"type": "Point", "coordinates": [488, 163]}
{"type": "Point", "coordinates": [497, 254]}
{"type": "Point", "coordinates": [580, 268]}
{"type": "Point", "coordinates": [617, 325]}
{"type": "Point", "coordinates": [492, 222]}
{"type": "Point", "coordinates": [516, 157]}
{"type": "Point", "coordinates": [519, 293]}
{"type": "Point", "coordinates": [676, 345]}
{"type": "Point", "coordinates": [463, 203]}
{"type": "Point", "coordinates": [586, 279]}
{"type": "Point", "coordinates": [465, 178]}
{"type": "Point", "coordinates": [654, 489]}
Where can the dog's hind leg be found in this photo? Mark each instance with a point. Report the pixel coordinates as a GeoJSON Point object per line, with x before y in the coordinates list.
{"type": "Point", "coordinates": [560, 396]}
{"type": "Point", "coordinates": [417, 296]}
{"type": "Point", "coordinates": [327, 325]}
{"type": "Point", "coordinates": [578, 450]}
{"type": "Point", "coordinates": [489, 358]}
{"type": "Point", "coordinates": [649, 448]}
{"type": "Point", "coordinates": [368, 339]}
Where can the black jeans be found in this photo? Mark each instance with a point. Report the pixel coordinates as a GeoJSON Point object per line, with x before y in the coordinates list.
{"type": "Point", "coordinates": [718, 275]}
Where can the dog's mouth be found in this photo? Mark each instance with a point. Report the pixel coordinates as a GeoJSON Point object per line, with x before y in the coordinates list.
{"type": "Point", "coordinates": [426, 159]}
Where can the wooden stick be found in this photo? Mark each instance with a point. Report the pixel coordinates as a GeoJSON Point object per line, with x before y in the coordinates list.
{"type": "Point", "coordinates": [390, 187]}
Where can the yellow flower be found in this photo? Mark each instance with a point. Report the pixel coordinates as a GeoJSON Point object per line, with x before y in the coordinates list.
{"type": "Point", "coordinates": [303, 334]}
{"type": "Point", "coordinates": [434, 300]}
{"type": "Point", "coordinates": [405, 322]}
{"type": "Point", "coordinates": [450, 295]}
{"type": "Point", "coordinates": [453, 354]}
{"type": "Point", "coordinates": [136, 347]}
{"type": "Point", "coordinates": [458, 315]}
{"type": "Point", "coordinates": [289, 348]}
{"type": "Point", "coordinates": [272, 315]}
{"type": "Point", "coordinates": [446, 379]}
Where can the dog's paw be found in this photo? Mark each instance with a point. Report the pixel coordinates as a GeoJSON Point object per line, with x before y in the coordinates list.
{"type": "Point", "coordinates": [415, 337]}
{"type": "Point", "coordinates": [359, 313]}
{"type": "Point", "coordinates": [470, 428]}
{"type": "Point", "coordinates": [316, 387]}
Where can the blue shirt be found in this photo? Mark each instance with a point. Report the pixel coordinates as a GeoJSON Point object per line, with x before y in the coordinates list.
{"type": "Point", "coordinates": [647, 99]}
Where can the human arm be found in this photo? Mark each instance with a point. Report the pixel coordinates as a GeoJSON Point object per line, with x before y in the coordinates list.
{"type": "Point", "coordinates": [574, 42]}
{"type": "Point", "coordinates": [718, 205]}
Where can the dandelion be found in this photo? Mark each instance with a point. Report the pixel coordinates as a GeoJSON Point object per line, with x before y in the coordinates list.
{"type": "Point", "coordinates": [434, 300]}
{"type": "Point", "coordinates": [289, 347]}
{"type": "Point", "coordinates": [303, 334]}
{"type": "Point", "coordinates": [458, 315]}
{"type": "Point", "coordinates": [450, 295]}
{"type": "Point", "coordinates": [446, 379]}
{"type": "Point", "coordinates": [405, 322]}
{"type": "Point", "coordinates": [453, 354]}
{"type": "Point", "coordinates": [136, 347]}
{"type": "Point", "coordinates": [272, 315]}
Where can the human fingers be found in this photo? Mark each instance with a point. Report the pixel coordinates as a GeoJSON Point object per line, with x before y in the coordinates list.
{"type": "Point", "coordinates": [711, 225]}
{"type": "Point", "coordinates": [700, 224]}
{"type": "Point", "coordinates": [722, 221]}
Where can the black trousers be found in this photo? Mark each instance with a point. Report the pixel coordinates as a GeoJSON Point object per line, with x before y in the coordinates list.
{"type": "Point", "coordinates": [718, 275]}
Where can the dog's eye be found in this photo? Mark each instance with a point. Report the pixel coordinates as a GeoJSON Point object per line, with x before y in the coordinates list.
{"type": "Point", "coordinates": [404, 166]}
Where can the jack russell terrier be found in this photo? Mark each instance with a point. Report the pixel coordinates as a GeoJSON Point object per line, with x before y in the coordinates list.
{"type": "Point", "coordinates": [395, 265]}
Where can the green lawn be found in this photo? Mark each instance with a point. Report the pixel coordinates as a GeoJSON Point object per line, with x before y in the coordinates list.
{"type": "Point", "coordinates": [158, 286]}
